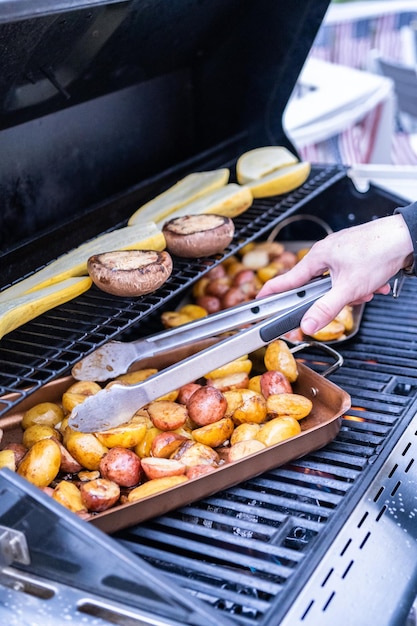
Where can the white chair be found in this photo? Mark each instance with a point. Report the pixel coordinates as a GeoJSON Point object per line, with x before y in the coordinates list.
{"type": "Point", "coordinates": [405, 86]}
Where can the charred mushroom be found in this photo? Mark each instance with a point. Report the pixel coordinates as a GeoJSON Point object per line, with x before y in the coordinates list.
{"type": "Point", "coordinates": [193, 236]}
{"type": "Point", "coordinates": [130, 273]}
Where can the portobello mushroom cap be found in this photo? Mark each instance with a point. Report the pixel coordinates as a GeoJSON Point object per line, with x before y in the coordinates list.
{"type": "Point", "coordinates": [130, 273]}
{"type": "Point", "coordinates": [193, 236]}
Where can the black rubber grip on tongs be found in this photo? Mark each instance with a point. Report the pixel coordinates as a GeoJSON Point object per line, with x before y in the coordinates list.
{"type": "Point", "coordinates": [283, 324]}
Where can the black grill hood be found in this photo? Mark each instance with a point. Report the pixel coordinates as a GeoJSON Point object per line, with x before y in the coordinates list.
{"type": "Point", "coordinates": [98, 96]}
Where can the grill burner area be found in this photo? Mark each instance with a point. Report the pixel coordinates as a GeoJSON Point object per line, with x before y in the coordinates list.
{"type": "Point", "coordinates": [251, 550]}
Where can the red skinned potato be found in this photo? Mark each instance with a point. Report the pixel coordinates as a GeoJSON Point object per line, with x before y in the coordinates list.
{"type": "Point", "coordinates": [206, 405]}
{"type": "Point", "coordinates": [160, 468]}
{"type": "Point", "coordinates": [186, 391]}
{"type": "Point", "coordinates": [121, 466]}
{"type": "Point", "coordinates": [167, 414]}
{"type": "Point", "coordinates": [193, 236]}
{"type": "Point", "coordinates": [166, 443]}
{"type": "Point", "coordinates": [273, 382]}
{"type": "Point", "coordinates": [99, 494]}
{"type": "Point", "coordinates": [130, 273]}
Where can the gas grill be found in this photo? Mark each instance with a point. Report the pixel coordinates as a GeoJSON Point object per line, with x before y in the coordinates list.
{"type": "Point", "coordinates": [330, 537]}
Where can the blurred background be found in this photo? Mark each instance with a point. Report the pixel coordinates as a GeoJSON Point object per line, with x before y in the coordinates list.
{"type": "Point", "coordinates": [355, 102]}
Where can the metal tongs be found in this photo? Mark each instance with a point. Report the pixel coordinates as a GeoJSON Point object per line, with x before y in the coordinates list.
{"type": "Point", "coordinates": [117, 403]}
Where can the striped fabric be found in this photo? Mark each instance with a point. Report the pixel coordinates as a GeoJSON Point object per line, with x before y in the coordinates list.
{"type": "Point", "coordinates": [350, 43]}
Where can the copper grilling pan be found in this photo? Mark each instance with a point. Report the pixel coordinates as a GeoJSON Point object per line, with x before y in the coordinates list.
{"type": "Point", "coordinates": [318, 429]}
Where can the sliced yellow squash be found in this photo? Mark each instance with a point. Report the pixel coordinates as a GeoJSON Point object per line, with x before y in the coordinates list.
{"type": "Point", "coordinates": [145, 236]}
{"type": "Point", "coordinates": [184, 191]}
{"type": "Point", "coordinates": [230, 201]}
{"type": "Point", "coordinates": [15, 313]}
{"type": "Point", "coordinates": [260, 162]}
{"type": "Point", "coordinates": [281, 181]}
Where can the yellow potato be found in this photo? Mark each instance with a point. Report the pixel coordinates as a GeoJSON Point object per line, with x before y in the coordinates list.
{"type": "Point", "coordinates": [245, 405]}
{"type": "Point", "coordinates": [77, 393]}
{"type": "Point", "coordinates": [332, 331]}
{"type": "Point", "coordinates": [193, 310]}
{"type": "Point", "coordinates": [278, 429]}
{"type": "Point", "coordinates": [131, 378]}
{"type": "Point", "coordinates": [243, 364]}
{"type": "Point", "coordinates": [171, 319]}
{"type": "Point", "coordinates": [85, 448]}
{"type": "Point", "coordinates": [36, 432]}
{"type": "Point", "coordinates": [126, 435]}
{"type": "Point", "coordinates": [7, 459]}
{"type": "Point", "coordinates": [244, 448]}
{"type": "Point", "coordinates": [167, 414]}
{"type": "Point", "coordinates": [279, 357]}
{"type": "Point", "coordinates": [47, 413]}
{"type": "Point", "coordinates": [244, 432]}
{"type": "Point", "coordinates": [194, 453]}
{"type": "Point", "coordinates": [346, 318]}
{"type": "Point", "coordinates": [41, 464]}
{"type": "Point", "coordinates": [144, 447]}
{"type": "Point", "coordinates": [292, 404]}
{"type": "Point", "coordinates": [255, 383]}
{"type": "Point", "coordinates": [68, 494]}
{"type": "Point", "coordinates": [215, 434]}
{"type": "Point", "coordinates": [154, 486]}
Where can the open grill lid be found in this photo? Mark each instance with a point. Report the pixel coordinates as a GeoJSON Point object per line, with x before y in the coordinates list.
{"type": "Point", "coordinates": [98, 96]}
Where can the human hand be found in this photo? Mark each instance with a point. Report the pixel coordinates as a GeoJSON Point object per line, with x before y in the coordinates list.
{"type": "Point", "coordinates": [361, 260]}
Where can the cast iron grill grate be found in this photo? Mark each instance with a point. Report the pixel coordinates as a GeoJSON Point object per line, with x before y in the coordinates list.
{"type": "Point", "coordinates": [50, 345]}
{"type": "Point", "coordinates": [248, 551]}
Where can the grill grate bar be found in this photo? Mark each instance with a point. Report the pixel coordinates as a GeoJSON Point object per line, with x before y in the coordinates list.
{"type": "Point", "coordinates": [55, 341]}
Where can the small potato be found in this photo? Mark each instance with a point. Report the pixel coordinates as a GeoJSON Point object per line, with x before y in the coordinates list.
{"type": "Point", "coordinates": [274, 382]}
{"type": "Point", "coordinates": [152, 487]}
{"type": "Point", "coordinates": [69, 465]}
{"type": "Point", "coordinates": [99, 494]}
{"type": "Point", "coordinates": [279, 357]}
{"type": "Point", "coordinates": [266, 273]}
{"type": "Point", "coordinates": [245, 405]}
{"type": "Point", "coordinates": [46, 413]}
{"type": "Point", "coordinates": [240, 380]}
{"type": "Point", "coordinates": [199, 289]}
{"type": "Point", "coordinates": [18, 449]}
{"type": "Point", "coordinates": [346, 318]}
{"type": "Point", "coordinates": [69, 495]}
{"type": "Point", "coordinates": [41, 464]}
{"type": "Point", "coordinates": [243, 364]}
{"type": "Point", "coordinates": [132, 378]}
{"type": "Point", "coordinates": [292, 404]}
{"type": "Point", "coordinates": [36, 432]}
{"type": "Point", "coordinates": [160, 468]}
{"type": "Point", "coordinates": [256, 258]}
{"type": "Point", "coordinates": [255, 383]}
{"type": "Point", "coordinates": [127, 435]}
{"type": "Point", "coordinates": [144, 447]}
{"type": "Point", "coordinates": [244, 432]}
{"type": "Point", "coordinates": [166, 443]}
{"type": "Point", "coordinates": [172, 319]}
{"type": "Point", "coordinates": [277, 430]}
{"type": "Point", "coordinates": [206, 405]}
{"type": "Point", "coordinates": [194, 311]}
{"type": "Point", "coordinates": [215, 434]}
{"type": "Point", "coordinates": [167, 415]}
{"type": "Point", "coordinates": [218, 287]}
{"type": "Point", "coordinates": [186, 391]}
{"type": "Point", "coordinates": [210, 303]}
{"type": "Point", "coordinates": [241, 449]}
{"type": "Point", "coordinates": [77, 393]}
{"type": "Point", "coordinates": [121, 466]}
{"type": "Point", "coordinates": [232, 297]}
{"type": "Point", "coordinates": [332, 331]}
{"type": "Point", "coordinates": [195, 453]}
{"type": "Point", "coordinates": [8, 459]}
{"type": "Point", "coordinates": [86, 449]}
